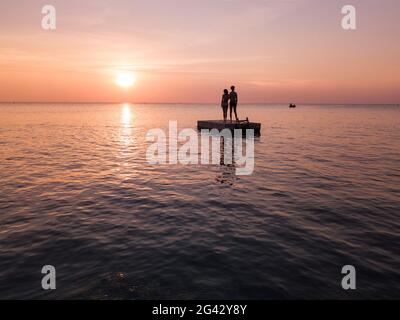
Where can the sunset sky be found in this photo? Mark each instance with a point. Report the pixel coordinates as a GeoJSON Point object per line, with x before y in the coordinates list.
{"type": "Point", "coordinates": [190, 50]}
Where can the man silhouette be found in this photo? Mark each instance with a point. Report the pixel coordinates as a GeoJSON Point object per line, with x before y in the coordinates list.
{"type": "Point", "coordinates": [233, 100]}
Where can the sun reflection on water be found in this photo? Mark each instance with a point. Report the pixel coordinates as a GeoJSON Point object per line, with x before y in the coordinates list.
{"type": "Point", "coordinates": [126, 115]}
{"type": "Point", "coordinates": [127, 120]}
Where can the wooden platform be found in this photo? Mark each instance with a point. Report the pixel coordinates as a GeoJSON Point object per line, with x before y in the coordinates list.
{"type": "Point", "coordinates": [221, 125]}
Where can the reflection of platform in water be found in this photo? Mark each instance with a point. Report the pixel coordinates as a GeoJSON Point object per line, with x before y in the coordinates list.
{"type": "Point", "coordinates": [221, 125]}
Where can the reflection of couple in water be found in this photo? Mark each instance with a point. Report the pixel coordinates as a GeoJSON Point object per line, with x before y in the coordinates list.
{"type": "Point", "coordinates": [228, 165]}
{"type": "Point", "coordinates": [230, 99]}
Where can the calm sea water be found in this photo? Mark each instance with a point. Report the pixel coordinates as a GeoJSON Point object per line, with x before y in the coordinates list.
{"type": "Point", "coordinates": [77, 192]}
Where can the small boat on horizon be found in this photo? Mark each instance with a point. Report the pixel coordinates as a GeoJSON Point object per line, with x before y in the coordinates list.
{"type": "Point", "coordinates": [292, 105]}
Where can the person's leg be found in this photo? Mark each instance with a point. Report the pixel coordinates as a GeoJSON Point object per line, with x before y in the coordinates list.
{"type": "Point", "coordinates": [230, 111]}
{"type": "Point", "coordinates": [234, 108]}
{"type": "Point", "coordinates": [225, 109]}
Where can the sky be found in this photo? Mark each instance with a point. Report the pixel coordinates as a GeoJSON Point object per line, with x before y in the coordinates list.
{"type": "Point", "coordinates": [188, 51]}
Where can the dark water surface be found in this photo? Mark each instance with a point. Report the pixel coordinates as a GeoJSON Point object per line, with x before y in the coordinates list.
{"type": "Point", "coordinates": [77, 192]}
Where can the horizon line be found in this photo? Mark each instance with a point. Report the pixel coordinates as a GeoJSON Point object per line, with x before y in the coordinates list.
{"type": "Point", "coordinates": [196, 103]}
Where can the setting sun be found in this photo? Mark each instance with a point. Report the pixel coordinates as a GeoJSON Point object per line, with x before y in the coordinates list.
{"type": "Point", "coordinates": [125, 79]}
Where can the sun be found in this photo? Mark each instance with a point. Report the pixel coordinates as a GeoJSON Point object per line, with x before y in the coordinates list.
{"type": "Point", "coordinates": [125, 79]}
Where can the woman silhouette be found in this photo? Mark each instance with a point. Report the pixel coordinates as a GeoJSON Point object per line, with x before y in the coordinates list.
{"type": "Point", "coordinates": [225, 103]}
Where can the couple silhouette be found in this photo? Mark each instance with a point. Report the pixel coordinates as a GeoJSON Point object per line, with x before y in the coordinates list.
{"type": "Point", "coordinates": [229, 100]}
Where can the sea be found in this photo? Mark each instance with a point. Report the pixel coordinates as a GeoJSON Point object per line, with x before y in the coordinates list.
{"type": "Point", "coordinates": [78, 193]}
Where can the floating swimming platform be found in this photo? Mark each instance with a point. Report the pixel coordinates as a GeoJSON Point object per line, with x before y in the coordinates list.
{"type": "Point", "coordinates": [221, 125]}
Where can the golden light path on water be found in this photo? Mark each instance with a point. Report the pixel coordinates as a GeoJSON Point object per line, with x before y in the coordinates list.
{"type": "Point", "coordinates": [126, 141]}
{"type": "Point", "coordinates": [126, 115]}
